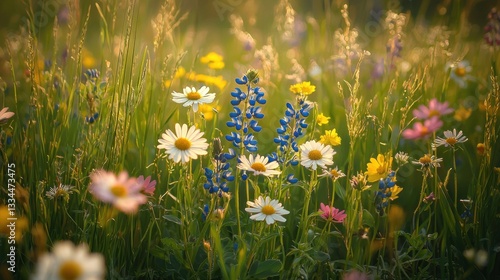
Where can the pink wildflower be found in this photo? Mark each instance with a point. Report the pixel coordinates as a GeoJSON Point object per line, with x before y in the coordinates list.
{"type": "Point", "coordinates": [421, 131]}
{"type": "Point", "coordinates": [332, 214]}
{"type": "Point", "coordinates": [121, 191]}
{"type": "Point", "coordinates": [435, 108]}
{"type": "Point", "coordinates": [148, 185]}
{"type": "Point", "coordinates": [5, 115]}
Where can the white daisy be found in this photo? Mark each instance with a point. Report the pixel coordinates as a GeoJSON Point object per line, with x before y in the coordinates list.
{"type": "Point", "coordinates": [333, 173]}
{"type": "Point", "coordinates": [451, 138]}
{"type": "Point", "coordinates": [459, 72]}
{"type": "Point", "coordinates": [192, 97]}
{"type": "Point", "coordinates": [314, 154]}
{"type": "Point", "coordinates": [121, 191]}
{"type": "Point", "coordinates": [266, 209]}
{"type": "Point", "coordinates": [68, 261]}
{"type": "Point", "coordinates": [184, 144]}
{"type": "Point", "coordinates": [259, 165]}
{"type": "Point", "coordinates": [428, 163]}
{"type": "Point", "coordinates": [60, 191]}
{"type": "Point", "coordinates": [5, 115]}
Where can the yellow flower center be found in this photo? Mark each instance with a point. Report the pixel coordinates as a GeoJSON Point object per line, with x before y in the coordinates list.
{"type": "Point", "coordinates": [268, 210]}
{"type": "Point", "coordinates": [70, 270]}
{"type": "Point", "coordinates": [334, 173]}
{"type": "Point", "coordinates": [257, 166]}
{"type": "Point", "coordinates": [424, 131]}
{"type": "Point", "coordinates": [381, 169]}
{"type": "Point", "coordinates": [193, 96]}
{"type": "Point", "coordinates": [118, 190]}
{"type": "Point", "coordinates": [182, 144]}
{"type": "Point", "coordinates": [426, 159]}
{"type": "Point", "coordinates": [60, 192]}
{"type": "Point", "coordinates": [315, 155]}
{"type": "Point", "coordinates": [460, 71]}
{"type": "Point", "coordinates": [452, 141]}
{"type": "Point", "coordinates": [433, 113]}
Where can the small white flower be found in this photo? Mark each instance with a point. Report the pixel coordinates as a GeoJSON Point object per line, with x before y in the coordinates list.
{"type": "Point", "coordinates": [5, 115]}
{"type": "Point", "coordinates": [258, 165]}
{"type": "Point", "coordinates": [60, 191]}
{"type": "Point", "coordinates": [266, 209]}
{"type": "Point", "coordinates": [459, 72]}
{"type": "Point", "coordinates": [68, 261]}
{"type": "Point", "coordinates": [314, 154]}
{"type": "Point", "coordinates": [401, 158]}
{"type": "Point", "coordinates": [451, 138]}
{"type": "Point", "coordinates": [333, 173]}
{"type": "Point", "coordinates": [192, 97]}
{"type": "Point", "coordinates": [121, 191]}
{"type": "Point", "coordinates": [184, 144]}
{"type": "Point", "coordinates": [427, 163]}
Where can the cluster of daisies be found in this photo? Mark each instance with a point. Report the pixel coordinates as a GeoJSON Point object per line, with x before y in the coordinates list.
{"type": "Point", "coordinates": [187, 143]}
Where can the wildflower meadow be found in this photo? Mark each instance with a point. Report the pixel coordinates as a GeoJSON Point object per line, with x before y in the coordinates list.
{"type": "Point", "coordinates": [232, 139]}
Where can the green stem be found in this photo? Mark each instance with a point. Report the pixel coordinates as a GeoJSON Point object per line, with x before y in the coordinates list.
{"type": "Point", "coordinates": [422, 196]}
{"type": "Point", "coordinates": [455, 177]}
{"type": "Point", "coordinates": [305, 209]}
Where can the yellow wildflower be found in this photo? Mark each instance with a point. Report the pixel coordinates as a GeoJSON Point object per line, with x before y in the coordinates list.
{"type": "Point", "coordinates": [322, 119]}
{"type": "Point", "coordinates": [180, 72]}
{"type": "Point", "coordinates": [304, 88]}
{"type": "Point", "coordinates": [88, 60]}
{"type": "Point", "coordinates": [394, 192]}
{"type": "Point", "coordinates": [378, 168]}
{"type": "Point", "coordinates": [214, 60]}
{"type": "Point", "coordinates": [21, 224]}
{"type": "Point", "coordinates": [217, 81]}
{"type": "Point", "coordinates": [462, 113]}
{"type": "Point", "coordinates": [396, 218]}
{"type": "Point", "coordinates": [208, 111]}
{"type": "Point", "coordinates": [331, 138]}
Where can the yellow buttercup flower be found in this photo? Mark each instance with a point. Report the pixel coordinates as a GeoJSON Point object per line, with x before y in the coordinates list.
{"type": "Point", "coordinates": [331, 138]}
{"type": "Point", "coordinates": [322, 119]}
{"type": "Point", "coordinates": [462, 113]}
{"type": "Point", "coordinates": [304, 88]}
{"type": "Point", "coordinates": [217, 81]}
{"type": "Point", "coordinates": [88, 60]}
{"type": "Point", "coordinates": [394, 192]}
{"type": "Point", "coordinates": [180, 72]}
{"type": "Point", "coordinates": [208, 111]}
{"type": "Point", "coordinates": [214, 60]}
{"type": "Point", "coordinates": [378, 168]}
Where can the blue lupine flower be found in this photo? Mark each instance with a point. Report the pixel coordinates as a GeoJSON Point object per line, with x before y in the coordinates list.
{"type": "Point", "coordinates": [246, 122]}
{"type": "Point", "coordinates": [384, 193]}
{"type": "Point", "coordinates": [205, 211]}
{"type": "Point", "coordinates": [466, 215]}
{"type": "Point", "coordinates": [218, 177]}
{"type": "Point", "coordinates": [291, 179]}
{"type": "Point", "coordinates": [91, 119]}
{"type": "Point", "coordinates": [292, 126]}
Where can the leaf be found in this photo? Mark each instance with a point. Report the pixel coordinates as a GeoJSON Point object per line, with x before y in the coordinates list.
{"type": "Point", "coordinates": [368, 219]}
{"type": "Point", "coordinates": [172, 219]}
{"type": "Point", "coordinates": [265, 269]}
{"type": "Point", "coordinates": [339, 190]}
{"type": "Point", "coordinates": [336, 234]}
{"type": "Point", "coordinates": [320, 256]}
